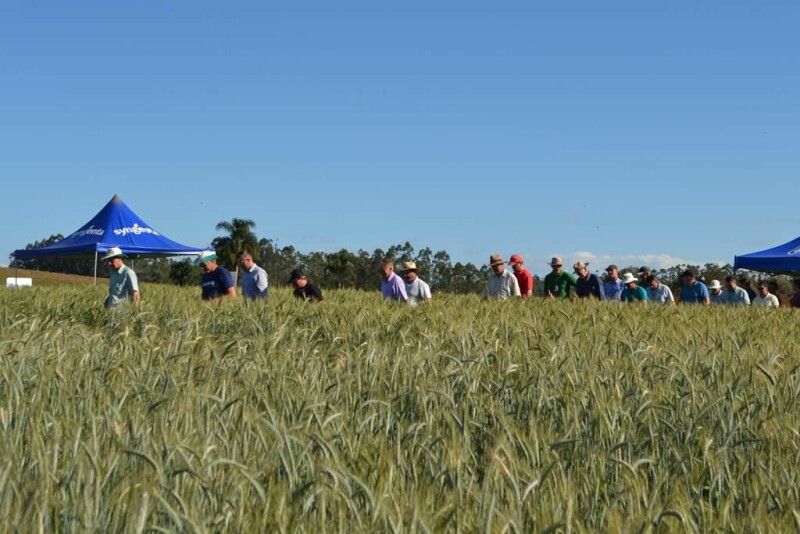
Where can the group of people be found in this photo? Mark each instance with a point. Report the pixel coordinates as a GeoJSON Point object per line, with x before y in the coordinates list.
{"type": "Point", "coordinates": [408, 287]}
{"type": "Point", "coordinates": [217, 282]}
{"type": "Point", "coordinates": [644, 286]}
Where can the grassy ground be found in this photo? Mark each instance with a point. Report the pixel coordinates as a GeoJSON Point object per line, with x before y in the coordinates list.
{"type": "Point", "coordinates": [462, 415]}
{"type": "Point", "coordinates": [43, 278]}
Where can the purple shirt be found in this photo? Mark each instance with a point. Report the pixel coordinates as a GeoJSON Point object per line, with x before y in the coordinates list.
{"type": "Point", "coordinates": [394, 288]}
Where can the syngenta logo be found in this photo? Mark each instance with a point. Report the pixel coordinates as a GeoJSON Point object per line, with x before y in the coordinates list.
{"type": "Point", "coordinates": [88, 231]}
{"type": "Point", "coordinates": [135, 229]}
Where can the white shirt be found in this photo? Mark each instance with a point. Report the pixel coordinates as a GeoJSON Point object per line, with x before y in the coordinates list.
{"type": "Point", "coordinates": [417, 291]}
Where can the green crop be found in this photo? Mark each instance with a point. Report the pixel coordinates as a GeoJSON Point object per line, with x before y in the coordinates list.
{"type": "Point", "coordinates": [358, 415]}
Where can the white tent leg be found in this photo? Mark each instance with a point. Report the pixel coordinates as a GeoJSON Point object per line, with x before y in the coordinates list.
{"type": "Point", "coordinates": [95, 267]}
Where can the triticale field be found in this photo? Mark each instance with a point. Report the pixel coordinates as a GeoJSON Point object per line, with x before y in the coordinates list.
{"type": "Point", "coordinates": [460, 416]}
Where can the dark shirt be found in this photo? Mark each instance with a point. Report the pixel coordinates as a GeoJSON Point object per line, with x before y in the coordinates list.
{"type": "Point", "coordinates": [590, 287]}
{"type": "Point", "coordinates": [308, 292]}
{"type": "Point", "coordinates": [216, 283]}
{"type": "Point", "coordinates": [751, 293]}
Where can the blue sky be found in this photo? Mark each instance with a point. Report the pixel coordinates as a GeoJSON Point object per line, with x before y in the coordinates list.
{"type": "Point", "coordinates": [625, 132]}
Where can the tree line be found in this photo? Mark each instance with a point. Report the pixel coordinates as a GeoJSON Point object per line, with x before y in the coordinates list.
{"type": "Point", "coordinates": [341, 269]}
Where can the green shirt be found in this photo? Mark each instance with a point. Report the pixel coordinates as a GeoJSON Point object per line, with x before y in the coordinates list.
{"type": "Point", "coordinates": [559, 284]}
{"type": "Point", "coordinates": [633, 294]}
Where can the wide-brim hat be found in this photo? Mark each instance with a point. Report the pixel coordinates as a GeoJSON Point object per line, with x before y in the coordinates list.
{"type": "Point", "coordinates": [409, 266]}
{"type": "Point", "coordinates": [495, 259]}
{"type": "Point", "coordinates": [715, 285]}
{"type": "Point", "coordinates": [579, 266]}
{"type": "Point", "coordinates": [556, 261]}
{"type": "Point", "coordinates": [628, 278]}
{"type": "Point", "coordinates": [113, 252]}
{"type": "Point", "coordinates": [203, 257]}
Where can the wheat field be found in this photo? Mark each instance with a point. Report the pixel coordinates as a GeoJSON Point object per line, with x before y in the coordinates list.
{"type": "Point", "coordinates": [463, 415]}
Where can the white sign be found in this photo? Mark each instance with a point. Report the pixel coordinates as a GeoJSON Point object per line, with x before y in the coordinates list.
{"type": "Point", "coordinates": [19, 282]}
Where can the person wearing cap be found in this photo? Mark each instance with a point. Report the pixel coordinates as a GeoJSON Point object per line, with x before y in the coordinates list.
{"type": "Point", "coordinates": [500, 283]}
{"type": "Point", "coordinates": [557, 283]}
{"type": "Point", "coordinates": [765, 299]}
{"type": "Point", "coordinates": [643, 273]}
{"type": "Point", "coordinates": [255, 281]}
{"type": "Point", "coordinates": [715, 294]}
{"type": "Point", "coordinates": [393, 287]}
{"type": "Point", "coordinates": [523, 275]}
{"type": "Point", "coordinates": [588, 284]}
{"type": "Point", "coordinates": [217, 281]}
{"type": "Point", "coordinates": [416, 288]}
{"type": "Point", "coordinates": [632, 292]}
{"type": "Point", "coordinates": [122, 281]}
{"type": "Point", "coordinates": [734, 295]}
{"type": "Point", "coordinates": [658, 292]}
{"type": "Point", "coordinates": [613, 286]}
{"type": "Point", "coordinates": [303, 289]}
{"type": "Point", "coordinates": [693, 291]}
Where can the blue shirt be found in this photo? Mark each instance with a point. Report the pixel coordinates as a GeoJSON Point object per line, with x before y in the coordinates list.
{"type": "Point", "coordinates": [216, 283]}
{"type": "Point", "coordinates": [394, 288]}
{"type": "Point", "coordinates": [254, 283]}
{"type": "Point", "coordinates": [613, 289]}
{"type": "Point", "coordinates": [695, 293]}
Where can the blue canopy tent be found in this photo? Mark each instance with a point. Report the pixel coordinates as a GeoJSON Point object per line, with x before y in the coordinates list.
{"type": "Point", "coordinates": [783, 258]}
{"type": "Point", "coordinates": [114, 226]}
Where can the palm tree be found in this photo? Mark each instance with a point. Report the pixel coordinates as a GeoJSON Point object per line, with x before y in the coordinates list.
{"type": "Point", "coordinates": [240, 237]}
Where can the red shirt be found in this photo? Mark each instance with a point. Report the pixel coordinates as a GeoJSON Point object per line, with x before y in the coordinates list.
{"type": "Point", "coordinates": [525, 280]}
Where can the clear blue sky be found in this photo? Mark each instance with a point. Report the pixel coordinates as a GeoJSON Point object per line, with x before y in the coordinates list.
{"type": "Point", "coordinates": [626, 132]}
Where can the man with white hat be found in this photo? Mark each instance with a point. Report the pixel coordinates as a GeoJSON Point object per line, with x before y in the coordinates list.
{"type": "Point", "coordinates": [217, 281]}
{"type": "Point", "coordinates": [557, 283]}
{"type": "Point", "coordinates": [715, 292]}
{"type": "Point", "coordinates": [501, 283]}
{"type": "Point", "coordinates": [416, 289]}
{"type": "Point", "coordinates": [632, 292]}
{"type": "Point", "coordinates": [122, 281]}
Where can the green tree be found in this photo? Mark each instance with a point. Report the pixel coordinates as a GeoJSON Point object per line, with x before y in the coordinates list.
{"type": "Point", "coordinates": [82, 264]}
{"type": "Point", "coordinates": [183, 273]}
{"type": "Point", "coordinates": [240, 237]}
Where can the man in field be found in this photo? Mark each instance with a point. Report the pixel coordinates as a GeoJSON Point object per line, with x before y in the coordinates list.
{"type": "Point", "coordinates": [523, 275]}
{"type": "Point", "coordinates": [416, 288]}
{"type": "Point", "coordinates": [765, 299]}
{"type": "Point", "coordinates": [632, 291]}
{"type": "Point", "coordinates": [744, 283]}
{"type": "Point", "coordinates": [658, 292]}
{"type": "Point", "coordinates": [643, 273]}
{"type": "Point", "coordinates": [217, 281]}
{"type": "Point", "coordinates": [392, 286]}
{"type": "Point", "coordinates": [122, 281]}
{"type": "Point", "coordinates": [693, 291]}
{"type": "Point", "coordinates": [715, 295]}
{"type": "Point", "coordinates": [303, 289]}
{"type": "Point", "coordinates": [734, 295]}
{"type": "Point", "coordinates": [557, 283]}
{"type": "Point", "coordinates": [613, 286]}
{"type": "Point", "coordinates": [254, 278]}
{"type": "Point", "coordinates": [588, 283]}
{"type": "Point", "coordinates": [501, 283]}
